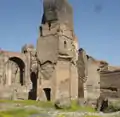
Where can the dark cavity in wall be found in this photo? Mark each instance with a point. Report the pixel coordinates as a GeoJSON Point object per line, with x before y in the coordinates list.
{"type": "Point", "coordinates": [33, 91]}
{"type": "Point", "coordinates": [110, 88]}
{"type": "Point", "coordinates": [47, 93]}
{"type": "Point", "coordinates": [80, 89]}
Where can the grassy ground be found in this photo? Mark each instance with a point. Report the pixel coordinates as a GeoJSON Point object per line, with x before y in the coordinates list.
{"type": "Point", "coordinates": [40, 109]}
{"type": "Point", "coordinates": [29, 102]}
{"type": "Point", "coordinates": [22, 112]}
{"type": "Point", "coordinates": [75, 107]}
{"type": "Point", "coordinates": [82, 116]}
{"type": "Point", "coordinates": [18, 113]}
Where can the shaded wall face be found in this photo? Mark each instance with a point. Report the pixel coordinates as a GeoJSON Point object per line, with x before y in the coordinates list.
{"type": "Point", "coordinates": [58, 10]}
{"type": "Point", "coordinates": [63, 79]}
{"type": "Point", "coordinates": [110, 84]}
{"type": "Point", "coordinates": [82, 72]}
{"type": "Point", "coordinates": [63, 82]}
{"type": "Point", "coordinates": [12, 73]}
{"type": "Point", "coordinates": [47, 49]}
{"type": "Point", "coordinates": [93, 81]}
{"type": "Point", "coordinates": [89, 78]}
{"type": "Point", "coordinates": [74, 81]}
{"type": "Point", "coordinates": [47, 45]}
{"type": "Point", "coordinates": [82, 64]}
{"type": "Point", "coordinates": [46, 81]}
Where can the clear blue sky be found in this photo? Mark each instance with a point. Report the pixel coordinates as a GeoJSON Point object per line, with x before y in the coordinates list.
{"type": "Point", "coordinates": [96, 23]}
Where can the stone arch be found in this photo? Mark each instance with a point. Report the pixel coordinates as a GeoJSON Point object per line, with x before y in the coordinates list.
{"type": "Point", "coordinates": [21, 66]}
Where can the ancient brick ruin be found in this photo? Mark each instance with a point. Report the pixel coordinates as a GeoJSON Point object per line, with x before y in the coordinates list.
{"type": "Point", "coordinates": [97, 77]}
{"type": "Point", "coordinates": [56, 68]}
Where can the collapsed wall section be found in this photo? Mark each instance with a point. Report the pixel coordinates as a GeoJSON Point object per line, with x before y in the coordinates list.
{"type": "Point", "coordinates": [110, 83]}
{"type": "Point", "coordinates": [88, 76]}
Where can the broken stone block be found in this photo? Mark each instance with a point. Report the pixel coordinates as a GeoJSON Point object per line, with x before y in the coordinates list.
{"type": "Point", "coordinates": [102, 104]}
{"type": "Point", "coordinates": [14, 95]}
{"type": "Point", "coordinates": [64, 103]}
{"type": "Point", "coordinates": [82, 102]}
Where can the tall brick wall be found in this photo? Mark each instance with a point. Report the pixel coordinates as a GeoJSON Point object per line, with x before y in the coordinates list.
{"type": "Point", "coordinates": [110, 83]}
{"type": "Point", "coordinates": [93, 81]}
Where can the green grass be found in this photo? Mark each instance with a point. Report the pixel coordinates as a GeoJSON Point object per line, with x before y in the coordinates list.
{"type": "Point", "coordinates": [91, 116]}
{"type": "Point", "coordinates": [63, 115]}
{"type": "Point", "coordinates": [18, 113]}
{"type": "Point", "coordinates": [30, 102]}
{"type": "Point", "coordinates": [45, 105]}
{"type": "Point", "coordinates": [76, 107]}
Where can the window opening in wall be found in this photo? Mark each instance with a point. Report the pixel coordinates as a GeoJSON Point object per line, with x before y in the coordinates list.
{"type": "Point", "coordinates": [25, 51]}
{"type": "Point", "coordinates": [65, 44]}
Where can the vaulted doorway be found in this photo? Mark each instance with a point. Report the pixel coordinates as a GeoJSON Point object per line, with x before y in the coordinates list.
{"type": "Point", "coordinates": [15, 71]}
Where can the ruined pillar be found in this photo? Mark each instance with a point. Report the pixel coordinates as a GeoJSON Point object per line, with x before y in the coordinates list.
{"type": "Point", "coordinates": [56, 50]}
{"type": "Point", "coordinates": [9, 72]}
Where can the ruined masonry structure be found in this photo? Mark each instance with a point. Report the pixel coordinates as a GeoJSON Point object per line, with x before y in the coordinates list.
{"type": "Point", "coordinates": [56, 51]}
{"type": "Point", "coordinates": [97, 77]}
{"type": "Point", "coordinates": [88, 76]}
{"type": "Point", "coordinates": [49, 71]}
{"type": "Point", "coordinates": [56, 68]}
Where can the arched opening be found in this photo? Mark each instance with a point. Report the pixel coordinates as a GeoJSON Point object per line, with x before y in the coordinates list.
{"type": "Point", "coordinates": [33, 91]}
{"type": "Point", "coordinates": [21, 67]}
{"type": "Point", "coordinates": [47, 93]}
